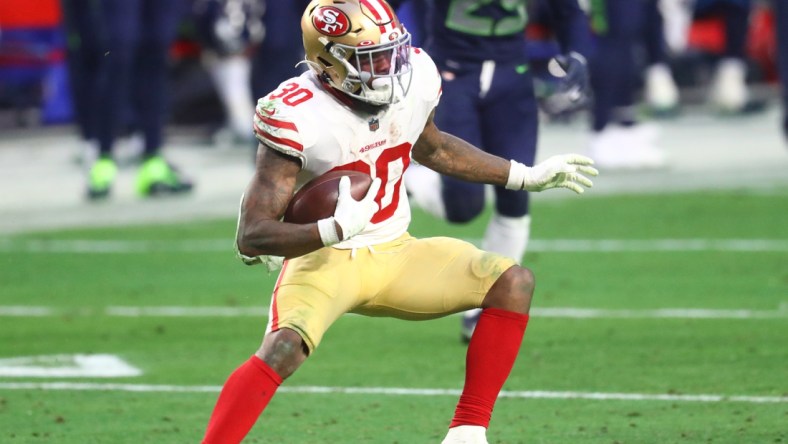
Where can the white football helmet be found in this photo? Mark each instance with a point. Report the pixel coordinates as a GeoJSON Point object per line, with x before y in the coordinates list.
{"type": "Point", "coordinates": [358, 47]}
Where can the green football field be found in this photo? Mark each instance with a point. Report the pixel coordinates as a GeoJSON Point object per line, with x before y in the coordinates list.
{"type": "Point", "coordinates": [658, 318]}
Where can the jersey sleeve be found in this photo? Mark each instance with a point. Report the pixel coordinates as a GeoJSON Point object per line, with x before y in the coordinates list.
{"type": "Point", "coordinates": [427, 77]}
{"type": "Point", "coordinates": [278, 126]}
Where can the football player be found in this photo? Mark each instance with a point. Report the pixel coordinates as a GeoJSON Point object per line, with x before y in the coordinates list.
{"type": "Point", "coordinates": [367, 104]}
{"type": "Point", "coordinates": [620, 139]}
{"type": "Point", "coordinates": [490, 100]}
{"type": "Point", "coordinates": [229, 31]}
{"type": "Point", "coordinates": [120, 51]}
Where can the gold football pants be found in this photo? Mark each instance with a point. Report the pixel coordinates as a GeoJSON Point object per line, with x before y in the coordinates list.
{"type": "Point", "coordinates": [407, 278]}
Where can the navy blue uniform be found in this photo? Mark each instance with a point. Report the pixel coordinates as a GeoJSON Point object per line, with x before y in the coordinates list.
{"type": "Point", "coordinates": [488, 95]}
{"type": "Point", "coordinates": [137, 35]}
{"type": "Point", "coordinates": [735, 14]}
{"type": "Point", "coordinates": [619, 26]}
{"type": "Point", "coordinates": [85, 53]}
{"type": "Point", "coordinates": [781, 14]}
{"type": "Point", "coordinates": [276, 57]}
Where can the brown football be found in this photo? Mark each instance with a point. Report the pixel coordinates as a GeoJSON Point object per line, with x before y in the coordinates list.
{"type": "Point", "coordinates": [317, 199]}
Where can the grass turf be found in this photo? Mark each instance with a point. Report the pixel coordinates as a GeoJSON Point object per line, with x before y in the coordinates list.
{"type": "Point", "coordinates": [642, 356]}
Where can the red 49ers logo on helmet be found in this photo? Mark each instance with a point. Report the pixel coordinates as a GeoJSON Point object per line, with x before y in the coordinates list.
{"type": "Point", "coordinates": [331, 21]}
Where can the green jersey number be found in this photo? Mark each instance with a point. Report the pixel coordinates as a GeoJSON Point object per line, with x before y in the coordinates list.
{"type": "Point", "coordinates": [462, 17]}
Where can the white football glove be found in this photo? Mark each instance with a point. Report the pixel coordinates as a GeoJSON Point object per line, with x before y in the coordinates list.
{"type": "Point", "coordinates": [271, 263]}
{"type": "Point", "coordinates": [561, 171]}
{"type": "Point", "coordinates": [352, 215]}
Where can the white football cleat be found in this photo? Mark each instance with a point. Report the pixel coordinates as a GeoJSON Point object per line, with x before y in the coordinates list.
{"type": "Point", "coordinates": [626, 148]}
{"type": "Point", "coordinates": [729, 91]}
{"type": "Point", "coordinates": [661, 92]}
{"type": "Point", "coordinates": [466, 434]}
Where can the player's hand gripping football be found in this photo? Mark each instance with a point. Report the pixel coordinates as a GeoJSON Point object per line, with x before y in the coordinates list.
{"type": "Point", "coordinates": [352, 215]}
{"type": "Point", "coordinates": [561, 171]}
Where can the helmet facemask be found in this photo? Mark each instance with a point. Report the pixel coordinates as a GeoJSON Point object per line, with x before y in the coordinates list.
{"type": "Point", "coordinates": [358, 47]}
{"type": "Point", "coordinates": [377, 74]}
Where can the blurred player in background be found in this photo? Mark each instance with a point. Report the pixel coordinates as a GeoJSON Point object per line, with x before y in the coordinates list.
{"type": "Point", "coordinates": [275, 59]}
{"type": "Point", "coordinates": [660, 92]}
{"type": "Point", "coordinates": [84, 43]}
{"type": "Point", "coordinates": [729, 92]}
{"type": "Point", "coordinates": [619, 139]}
{"type": "Point", "coordinates": [126, 53]}
{"type": "Point", "coordinates": [781, 16]}
{"type": "Point", "coordinates": [230, 30]}
{"type": "Point", "coordinates": [367, 105]}
{"type": "Point", "coordinates": [489, 100]}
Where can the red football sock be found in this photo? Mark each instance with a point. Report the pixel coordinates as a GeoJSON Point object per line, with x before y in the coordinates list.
{"type": "Point", "coordinates": [242, 400]}
{"type": "Point", "coordinates": [491, 354]}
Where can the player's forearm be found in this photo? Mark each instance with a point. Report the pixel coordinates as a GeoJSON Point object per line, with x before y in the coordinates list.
{"type": "Point", "coordinates": [275, 238]}
{"type": "Point", "coordinates": [457, 158]}
{"type": "Point", "coordinates": [260, 230]}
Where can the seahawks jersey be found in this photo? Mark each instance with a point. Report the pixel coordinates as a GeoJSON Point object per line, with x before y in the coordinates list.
{"type": "Point", "coordinates": [303, 119]}
{"type": "Point", "coordinates": [478, 30]}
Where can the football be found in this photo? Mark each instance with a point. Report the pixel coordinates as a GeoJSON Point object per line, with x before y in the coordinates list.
{"type": "Point", "coordinates": [317, 199]}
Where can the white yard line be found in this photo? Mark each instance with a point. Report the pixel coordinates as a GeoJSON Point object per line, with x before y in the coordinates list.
{"type": "Point", "coordinates": [622, 245]}
{"type": "Point", "coordinates": [67, 366]}
{"type": "Point", "coordinates": [117, 246]}
{"type": "Point", "coordinates": [393, 391]}
{"type": "Point", "coordinates": [545, 312]}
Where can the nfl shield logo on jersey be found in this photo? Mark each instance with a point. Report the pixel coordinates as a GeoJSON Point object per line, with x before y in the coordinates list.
{"type": "Point", "coordinates": [374, 124]}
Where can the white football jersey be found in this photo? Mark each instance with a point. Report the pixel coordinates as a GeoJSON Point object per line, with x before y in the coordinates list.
{"type": "Point", "coordinates": [301, 118]}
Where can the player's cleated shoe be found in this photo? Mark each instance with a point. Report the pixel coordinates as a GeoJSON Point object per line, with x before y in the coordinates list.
{"type": "Point", "coordinates": [157, 177]}
{"type": "Point", "coordinates": [661, 92]}
{"type": "Point", "coordinates": [729, 92]}
{"type": "Point", "coordinates": [468, 324]}
{"type": "Point", "coordinates": [466, 434]}
{"type": "Point", "coordinates": [100, 178]}
{"type": "Point", "coordinates": [626, 148]}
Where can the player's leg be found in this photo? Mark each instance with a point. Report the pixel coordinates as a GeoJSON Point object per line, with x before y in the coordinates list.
{"type": "Point", "coordinates": [729, 92]}
{"type": "Point", "coordinates": [510, 122]}
{"type": "Point", "coordinates": [121, 20]}
{"type": "Point", "coordinates": [251, 386]}
{"type": "Point", "coordinates": [85, 34]}
{"type": "Point", "coordinates": [225, 56]}
{"type": "Point", "coordinates": [492, 352]}
{"type": "Point", "coordinates": [458, 115]}
{"type": "Point", "coordinates": [464, 87]}
{"type": "Point", "coordinates": [429, 278]}
{"type": "Point", "coordinates": [161, 21]}
{"type": "Point", "coordinates": [444, 197]}
{"type": "Point", "coordinates": [618, 140]}
{"type": "Point", "coordinates": [311, 293]}
{"type": "Point", "coordinates": [660, 91]}
{"type": "Point", "coordinates": [510, 130]}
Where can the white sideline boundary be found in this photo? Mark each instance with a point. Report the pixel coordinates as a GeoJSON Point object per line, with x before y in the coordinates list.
{"type": "Point", "coordinates": [392, 391]}
{"type": "Point", "coordinates": [118, 246]}
{"type": "Point", "coordinates": [545, 312]}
